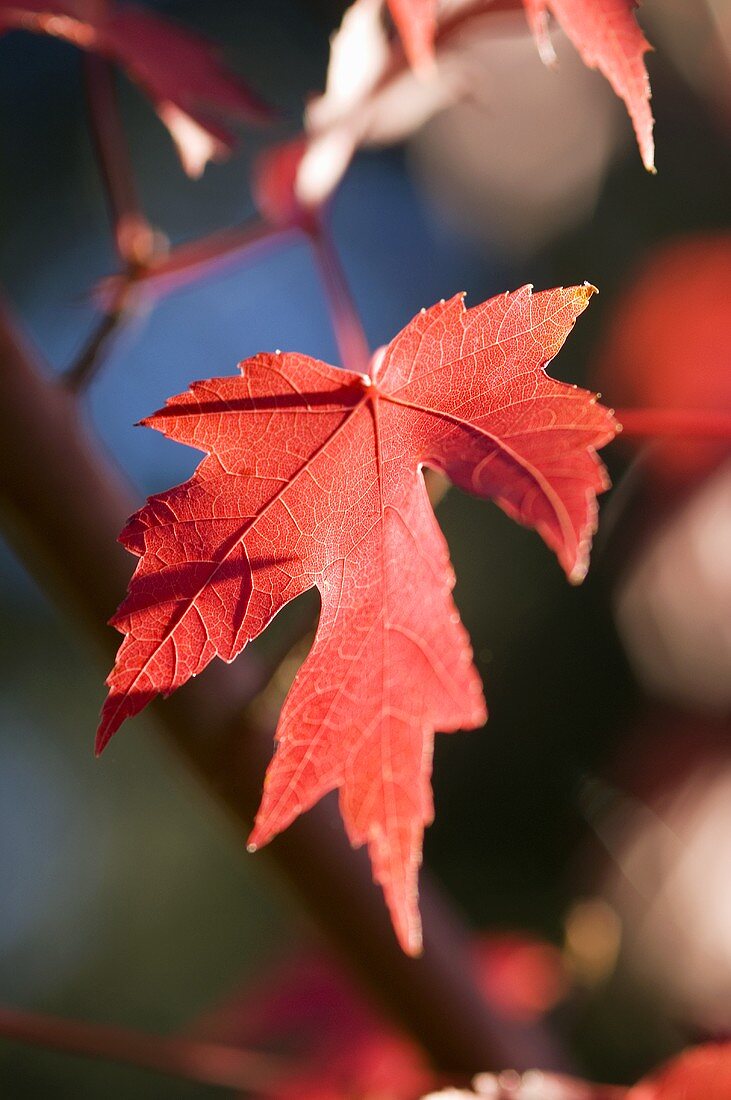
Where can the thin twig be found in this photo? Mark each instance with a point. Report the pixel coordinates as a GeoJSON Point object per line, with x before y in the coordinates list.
{"type": "Point", "coordinates": [347, 326]}
{"type": "Point", "coordinates": [162, 275]}
{"type": "Point", "coordinates": [95, 350]}
{"type": "Point", "coordinates": [196, 259]}
{"type": "Point", "coordinates": [207, 1063]}
{"type": "Point", "coordinates": [133, 234]}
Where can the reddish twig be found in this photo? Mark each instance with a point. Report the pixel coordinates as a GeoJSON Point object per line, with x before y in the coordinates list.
{"type": "Point", "coordinates": [196, 259]}
{"type": "Point", "coordinates": [206, 1063]}
{"type": "Point", "coordinates": [675, 423]}
{"type": "Point", "coordinates": [134, 237]}
{"type": "Point", "coordinates": [92, 355]}
{"type": "Point", "coordinates": [133, 234]}
{"type": "Point", "coordinates": [349, 334]}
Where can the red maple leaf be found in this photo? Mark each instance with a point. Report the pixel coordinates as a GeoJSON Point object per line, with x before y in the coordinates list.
{"type": "Point", "coordinates": [608, 38]}
{"type": "Point", "coordinates": [178, 70]}
{"type": "Point", "coordinates": [605, 32]}
{"type": "Point", "coordinates": [313, 479]}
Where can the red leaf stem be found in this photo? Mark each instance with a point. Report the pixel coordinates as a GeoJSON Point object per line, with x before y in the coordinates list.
{"type": "Point", "coordinates": [133, 233]}
{"type": "Point", "coordinates": [349, 334]}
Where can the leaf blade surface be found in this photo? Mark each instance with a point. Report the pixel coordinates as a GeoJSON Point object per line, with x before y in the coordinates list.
{"type": "Point", "coordinates": [313, 478]}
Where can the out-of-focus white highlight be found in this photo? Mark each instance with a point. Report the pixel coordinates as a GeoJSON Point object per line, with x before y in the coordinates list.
{"type": "Point", "coordinates": [323, 165]}
{"type": "Point", "coordinates": [521, 157]}
{"type": "Point", "coordinates": [195, 145]}
{"type": "Point", "coordinates": [364, 103]}
{"type": "Point", "coordinates": [673, 609]}
{"type": "Point", "coordinates": [673, 888]}
{"type": "Point", "coordinates": [358, 56]}
{"type": "Point", "coordinates": [509, 1085]}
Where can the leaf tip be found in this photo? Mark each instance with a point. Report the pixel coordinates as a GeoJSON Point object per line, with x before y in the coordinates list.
{"type": "Point", "coordinates": [415, 949]}
{"type": "Point", "coordinates": [577, 575]}
{"type": "Point", "coordinates": [196, 144]}
{"type": "Point", "coordinates": [102, 740]}
{"type": "Point", "coordinates": [408, 933]}
{"type": "Point", "coordinates": [257, 838]}
{"type": "Point", "coordinates": [406, 922]}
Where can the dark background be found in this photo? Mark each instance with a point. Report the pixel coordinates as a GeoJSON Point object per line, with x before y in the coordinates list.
{"type": "Point", "coordinates": [123, 897]}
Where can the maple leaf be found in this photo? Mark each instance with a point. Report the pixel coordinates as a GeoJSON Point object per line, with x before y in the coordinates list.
{"type": "Point", "coordinates": [608, 38]}
{"type": "Point", "coordinates": [376, 92]}
{"type": "Point", "coordinates": [178, 70]}
{"type": "Point", "coordinates": [313, 479]}
{"type": "Point", "coordinates": [605, 32]}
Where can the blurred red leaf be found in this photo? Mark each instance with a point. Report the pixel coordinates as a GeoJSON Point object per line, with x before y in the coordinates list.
{"type": "Point", "coordinates": [668, 346]}
{"type": "Point", "coordinates": [337, 1044]}
{"type": "Point", "coordinates": [178, 70]}
{"type": "Point", "coordinates": [669, 341]}
{"type": "Point", "coordinates": [606, 34]}
{"type": "Point", "coordinates": [380, 90]}
{"type": "Point", "coordinates": [520, 976]}
{"type": "Point", "coordinates": [311, 1015]}
{"type": "Point", "coordinates": [273, 182]}
{"type": "Point", "coordinates": [313, 479]}
{"type": "Point", "coordinates": [701, 1073]}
